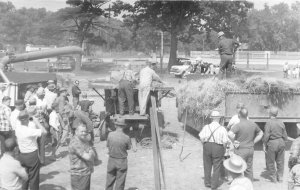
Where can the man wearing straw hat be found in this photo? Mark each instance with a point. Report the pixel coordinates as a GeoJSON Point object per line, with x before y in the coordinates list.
{"type": "Point", "coordinates": [236, 166]}
{"type": "Point", "coordinates": [118, 143]}
{"type": "Point", "coordinates": [214, 138]}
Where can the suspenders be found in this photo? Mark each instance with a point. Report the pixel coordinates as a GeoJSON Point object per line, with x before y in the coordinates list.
{"type": "Point", "coordinates": [212, 134]}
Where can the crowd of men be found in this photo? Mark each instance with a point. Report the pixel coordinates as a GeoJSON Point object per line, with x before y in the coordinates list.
{"type": "Point", "coordinates": [46, 113]}
{"type": "Point", "coordinates": [235, 142]}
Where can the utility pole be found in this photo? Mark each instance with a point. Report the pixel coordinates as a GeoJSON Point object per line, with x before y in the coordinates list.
{"type": "Point", "coordinates": [161, 50]}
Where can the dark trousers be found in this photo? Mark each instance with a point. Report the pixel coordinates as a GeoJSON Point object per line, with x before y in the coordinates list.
{"type": "Point", "coordinates": [275, 155]}
{"type": "Point", "coordinates": [81, 182]}
{"type": "Point", "coordinates": [247, 155]}
{"type": "Point", "coordinates": [225, 65]}
{"type": "Point", "coordinates": [126, 91]}
{"type": "Point", "coordinates": [212, 159]}
{"type": "Point", "coordinates": [3, 136]}
{"type": "Point", "coordinates": [116, 172]}
{"type": "Point", "coordinates": [31, 162]}
{"type": "Point", "coordinates": [41, 145]}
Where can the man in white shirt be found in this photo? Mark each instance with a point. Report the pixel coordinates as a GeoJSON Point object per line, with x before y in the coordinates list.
{"type": "Point", "coordinates": [214, 138]}
{"type": "Point", "coordinates": [19, 106]}
{"type": "Point", "coordinates": [29, 154]}
{"type": "Point", "coordinates": [56, 129]}
{"type": "Point", "coordinates": [147, 75]}
{"type": "Point", "coordinates": [12, 174]}
{"type": "Point", "coordinates": [50, 96]}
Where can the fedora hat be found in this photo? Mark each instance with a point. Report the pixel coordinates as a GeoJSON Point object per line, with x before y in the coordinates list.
{"type": "Point", "coordinates": [215, 114]}
{"type": "Point", "coordinates": [120, 122]}
{"type": "Point", "coordinates": [235, 164]}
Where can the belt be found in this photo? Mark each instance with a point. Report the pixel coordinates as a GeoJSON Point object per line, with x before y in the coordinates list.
{"type": "Point", "coordinates": [214, 143]}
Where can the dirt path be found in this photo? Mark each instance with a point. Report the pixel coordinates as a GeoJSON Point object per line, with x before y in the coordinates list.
{"type": "Point", "coordinates": [186, 175]}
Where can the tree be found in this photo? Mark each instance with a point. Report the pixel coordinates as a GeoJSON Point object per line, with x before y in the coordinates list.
{"type": "Point", "coordinates": [275, 28]}
{"type": "Point", "coordinates": [183, 19]}
{"type": "Point", "coordinates": [82, 18]}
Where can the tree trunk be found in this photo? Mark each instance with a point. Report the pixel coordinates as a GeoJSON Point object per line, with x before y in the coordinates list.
{"type": "Point", "coordinates": [173, 50]}
{"type": "Point", "coordinates": [78, 62]}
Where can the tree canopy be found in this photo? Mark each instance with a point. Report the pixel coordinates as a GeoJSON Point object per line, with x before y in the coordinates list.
{"type": "Point", "coordinates": [183, 19]}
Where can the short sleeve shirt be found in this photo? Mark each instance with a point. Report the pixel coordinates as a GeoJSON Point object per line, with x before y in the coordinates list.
{"type": "Point", "coordinates": [27, 138]}
{"type": "Point", "coordinates": [118, 143]}
{"type": "Point", "coordinates": [5, 112]}
{"type": "Point", "coordinates": [54, 120]}
{"type": "Point", "coordinates": [78, 165]}
{"type": "Point", "coordinates": [9, 167]}
{"type": "Point", "coordinates": [245, 132]}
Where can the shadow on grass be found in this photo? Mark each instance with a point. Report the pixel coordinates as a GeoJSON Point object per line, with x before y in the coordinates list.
{"type": "Point", "coordinates": [51, 187]}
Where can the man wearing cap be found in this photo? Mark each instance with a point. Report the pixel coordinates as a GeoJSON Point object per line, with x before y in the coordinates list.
{"type": "Point", "coordinates": [117, 143]}
{"type": "Point", "coordinates": [83, 157]}
{"type": "Point", "coordinates": [226, 48]}
{"type": "Point", "coordinates": [214, 138]}
{"type": "Point", "coordinates": [274, 142]}
{"type": "Point", "coordinates": [147, 75]}
{"type": "Point", "coordinates": [75, 93]}
{"type": "Point", "coordinates": [126, 85]}
{"type": "Point", "coordinates": [244, 135]}
{"type": "Point", "coordinates": [5, 125]}
{"type": "Point", "coordinates": [236, 166]}
{"type": "Point", "coordinates": [29, 155]}
{"type": "Point", "coordinates": [12, 174]}
{"type": "Point", "coordinates": [19, 106]}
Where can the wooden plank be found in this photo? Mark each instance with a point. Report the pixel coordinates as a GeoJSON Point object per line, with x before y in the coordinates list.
{"type": "Point", "coordinates": [155, 152]}
{"type": "Point", "coordinates": [153, 101]}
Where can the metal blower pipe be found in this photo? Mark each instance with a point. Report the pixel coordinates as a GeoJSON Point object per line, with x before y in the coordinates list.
{"type": "Point", "coordinates": [36, 55]}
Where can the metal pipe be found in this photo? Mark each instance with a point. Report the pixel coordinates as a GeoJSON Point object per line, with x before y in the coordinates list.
{"type": "Point", "coordinates": [36, 55]}
{"type": "Point", "coordinates": [40, 54]}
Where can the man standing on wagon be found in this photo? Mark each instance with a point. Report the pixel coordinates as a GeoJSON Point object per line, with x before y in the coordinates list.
{"type": "Point", "coordinates": [227, 48]}
{"type": "Point", "coordinates": [147, 75]}
{"type": "Point", "coordinates": [126, 85]}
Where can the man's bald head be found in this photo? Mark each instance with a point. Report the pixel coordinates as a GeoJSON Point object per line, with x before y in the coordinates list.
{"type": "Point", "coordinates": [243, 113]}
{"type": "Point", "coordinates": [10, 144]}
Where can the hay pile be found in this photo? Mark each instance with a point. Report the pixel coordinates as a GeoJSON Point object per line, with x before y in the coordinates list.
{"type": "Point", "coordinates": [202, 96]}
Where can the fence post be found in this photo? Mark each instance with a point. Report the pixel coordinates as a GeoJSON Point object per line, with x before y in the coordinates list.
{"type": "Point", "coordinates": [248, 60]}
{"type": "Point", "coordinates": [267, 61]}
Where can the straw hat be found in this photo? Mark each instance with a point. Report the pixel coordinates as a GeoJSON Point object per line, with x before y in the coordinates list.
{"type": "Point", "coordinates": [235, 164]}
{"type": "Point", "coordinates": [120, 122]}
{"type": "Point", "coordinates": [215, 114]}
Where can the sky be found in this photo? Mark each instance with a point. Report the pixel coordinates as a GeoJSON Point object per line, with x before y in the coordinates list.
{"type": "Point", "coordinates": [54, 5]}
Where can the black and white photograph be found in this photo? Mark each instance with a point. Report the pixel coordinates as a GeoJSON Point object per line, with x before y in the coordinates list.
{"type": "Point", "coordinates": [149, 94]}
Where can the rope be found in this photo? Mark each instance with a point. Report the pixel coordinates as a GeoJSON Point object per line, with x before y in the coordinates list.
{"type": "Point", "coordinates": [184, 128]}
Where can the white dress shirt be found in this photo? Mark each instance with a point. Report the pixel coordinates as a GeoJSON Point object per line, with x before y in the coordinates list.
{"type": "Point", "coordinates": [27, 138]}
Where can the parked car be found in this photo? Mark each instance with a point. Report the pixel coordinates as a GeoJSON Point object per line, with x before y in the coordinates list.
{"type": "Point", "coordinates": [91, 63]}
{"type": "Point", "coordinates": [63, 63]}
{"type": "Point", "coordinates": [181, 67]}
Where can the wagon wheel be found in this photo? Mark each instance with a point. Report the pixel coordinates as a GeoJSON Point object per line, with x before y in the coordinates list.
{"type": "Point", "coordinates": [103, 131]}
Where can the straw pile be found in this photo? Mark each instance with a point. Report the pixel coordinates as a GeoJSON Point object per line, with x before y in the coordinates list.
{"type": "Point", "coordinates": [200, 97]}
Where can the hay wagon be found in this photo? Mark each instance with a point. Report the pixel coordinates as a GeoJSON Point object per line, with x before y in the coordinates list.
{"type": "Point", "coordinates": [258, 106]}
{"type": "Point", "coordinates": [138, 125]}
